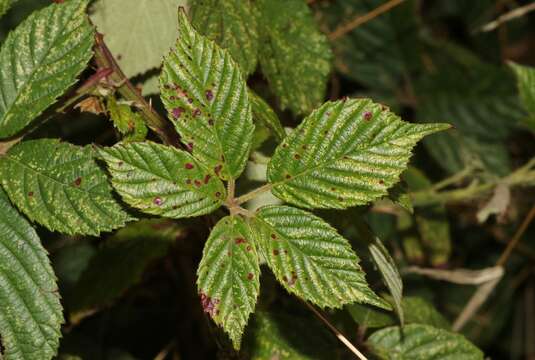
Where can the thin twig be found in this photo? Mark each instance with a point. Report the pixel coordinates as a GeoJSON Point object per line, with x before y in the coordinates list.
{"type": "Point", "coordinates": [336, 332]}
{"type": "Point", "coordinates": [516, 238]}
{"type": "Point", "coordinates": [251, 195]}
{"type": "Point", "coordinates": [165, 351]}
{"type": "Point", "coordinates": [359, 20]}
{"type": "Point", "coordinates": [154, 121]}
{"type": "Point", "coordinates": [511, 15]}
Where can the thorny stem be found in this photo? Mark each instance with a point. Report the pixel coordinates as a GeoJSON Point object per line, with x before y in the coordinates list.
{"type": "Point", "coordinates": [359, 20]}
{"type": "Point", "coordinates": [154, 121]}
{"type": "Point", "coordinates": [251, 195]}
{"type": "Point", "coordinates": [336, 332]}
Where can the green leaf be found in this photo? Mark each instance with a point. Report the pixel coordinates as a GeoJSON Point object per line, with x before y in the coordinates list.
{"type": "Point", "coordinates": [139, 32]}
{"type": "Point", "coordinates": [422, 342]}
{"type": "Point", "coordinates": [416, 310]}
{"type": "Point", "coordinates": [162, 180]}
{"type": "Point", "coordinates": [310, 259]}
{"type": "Point", "coordinates": [229, 276]}
{"type": "Point", "coordinates": [345, 153]}
{"type": "Point", "coordinates": [5, 5]}
{"type": "Point", "coordinates": [40, 60]}
{"type": "Point", "coordinates": [120, 262]}
{"type": "Point", "coordinates": [207, 99]}
{"type": "Point", "coordinates": [399, 194]}
{"type": "Point", "coordinates": [295, 56]}
{"type": "Point", "coordinates": [525, 77]}
{"type": "Point", "coordinates": [60, 186]}
{"type": "Point", "coordinates": [31, 314]}
{"type": "Point", "coordinates": [129, 123]}
{"type": "Point", "coordinates": [264, 114]}
{"type": "Point", "coordinates": [231, 24]}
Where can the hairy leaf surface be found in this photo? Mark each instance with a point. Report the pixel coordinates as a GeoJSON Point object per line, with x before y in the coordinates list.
{"type": "Point", "coordinates": [422, 342]}
{"type": "Point", "coordinates": [31, 314]}
{"type": "Point", "coordinates": [310, 259]}
{"type": "Point", "coordinates": [231, 24]}
{"type": "Point", "coordinates": [346, 153]}
{"type": "Point", "coordinates": [40, 60]}
{"type": "Point", "coordinates": [294, 55]}
{"type": "Point", "coordinates": [229, 276]}
{"type": "Point", "coordinates": [60, 186]}
{"type": "Point", "coordinates": [207, 100]}
{"type": "Point", "coordinates": [162, 180]}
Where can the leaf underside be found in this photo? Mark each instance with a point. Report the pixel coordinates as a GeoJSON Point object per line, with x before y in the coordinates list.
{"type": "Point", "coordinates": [346, 153]}
{"type": "Point", "coordinates": [310, 259]}
{"type": "Point", "coordinates": [31, 314]}
{"type": "Point", "coordinates": [229, 276]}
{"type": "Point", "coordinates": [40, 60]}
{"type": "Point", "coordinates": [207, 99]}
{"type": "Point", "coordinates": [60, 186]}
{"type": "Point", "coordinates": [162, 180]}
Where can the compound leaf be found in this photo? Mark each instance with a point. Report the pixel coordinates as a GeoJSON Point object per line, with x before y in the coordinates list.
{"type": "Point", "coordinates": [31, 314]}
{"type": "Point", "coordinates": [229, 276]}
{"type": "Point", "coordinates": [295, 56]}
{"type": "Point", "coordinates": [310, 259]}
{"type": "Point", "coordinates": [162, 180]}
{"type": "Point", "coordinates": [208, 102]}
{"type": "Point", "coordinates": [422, 342]}
{"type": "Point", "coordinates": [40, 60]}
{"type": "Point", "coordinates": [345, 153]}
{"type": "Point", "coordinates": [60, 186]}
{"type": "Point", "coordinates": [231, 24]}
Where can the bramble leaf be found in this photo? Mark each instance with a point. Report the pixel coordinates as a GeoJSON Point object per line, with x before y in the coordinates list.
{"type": "Point", "coordinates": [31, 314]}
{"type": "Point", "coordinates": [232, 25]}
{"type": "Point", "coordinates": [129, 123]}
{"type": "Point", "coordinates": [422, 342]}
{"type": "Point", "coordinates": [229, 276]}
{"type": "Point", "coordinates": [40, 60]}
{"type": "Point", "coordinates": [295, 56]}
{"type": "Point", "coordinates": [310, 259]}
{"type": "Point", "coordinates": [60, 186]}
{"type": "Point", "coordinates": [207, 99]}
{"type": "Point", "coordinates": [162, 180]}
{"type": "Point", "coordinates": [264, 114]}
{"type": "Point", "coordinates": [5, 5]}
{"type": "Point", "coordinates": [139, 32]}
{"type": "Point", "coordinates": [345, 153]}
{"type": "Point", "coordinates": [525, 78]}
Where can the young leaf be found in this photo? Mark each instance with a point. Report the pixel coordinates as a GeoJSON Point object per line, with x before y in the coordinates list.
{"type": "Point", "coordinates": [345, 153]}
{"type": "Point", "coordinates": [422, 342]}
{"type": "Point", "coordinates": [295, 56]}
{"type": "Point", "coordinates": [41, 59]}
{"type": "Point", "coordinates": [263, 113]}
{"type": "Point", "coordinates": [231, 24]}
{"type": "Point", "coordinates": [138, 32]}
{"type": "Point", "coordinates": [229, 276]}
{"type": "Point", "coordinates": [207, 99]}
{"type": "Point", "coordinates": [129, 123]}
{"type": "Point", "coordinates": [310, 259]}
{"type": "Point", "coordinates": [60, 186]}
{"type": "Point", "coordinates": [162, 180]}
{"type": "Point", "coordinates": [525, 77]}
{"type": "Point", "coordinates": [120, 262]}
{"type": "Point", "coordinates": [31, 314]}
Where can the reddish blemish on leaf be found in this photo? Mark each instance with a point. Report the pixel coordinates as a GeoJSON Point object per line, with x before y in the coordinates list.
{"type": "Point", "coordinates": [211, 122]}
{"type": "Point", "coordinates": [196, 112]}
{"type": "Point", "coordinates": [240, 241]}
{"type": "Point", "coordinates": [275, 252]}
{"type": "Point", "coordinates": [189, 147]}
{"type": "Point", "coordinates": [217, 169]}
{"type": "Point", "coordinates": [218, 194]}
{"type": "Point", "coordinates": [297, 156]}
{"type": "Point", "coordinates": [78, 181]}
{"type": "Point", "coordinates": [177, 112]}
{"type": "Point", "coordinates": [30, 194]}
{"type": "Point", "coordinates": [208, 305]}
{"type": "Point", "coordinates": [367, 115]}
{"type": "Point", "coordinates": [285, 278]}
{"type": "Point", "coordinates": [207, 178]}
{"type": "Point", "coordinates": [188, 181]}
{"type": "Point", "coordinates": [190, 100]}
{"type": "Point", "coordinates": [288, 176]}
{"type": "Point", "coordinates": [250, 276]}
{"type": "Point", "coordinates": [209, 95]}
{"type": "Point", "coordinates": [120, 163]}
{"type": "Point", "coordinates": [249, 248]}
{"type": "Point", "coordinates": [197, 183]}
{"type": "Point", "coordinates": [273, 236]}
{"type": "Point", "coordinates": [189, 166]}
{"type": "Point", "coordinates": [157, 201]}
{"type": "Point", "coordinates": [381, 182]}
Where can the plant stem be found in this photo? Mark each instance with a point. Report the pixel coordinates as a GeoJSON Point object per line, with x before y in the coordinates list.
{"type": "Point", "coordinates": [453, 179]}
{"type": "Point", "coordinates": [336, 332]}
{"type": "Point", "coordinates": [251, 195]}
{"type": "Point", "coordinates": [154, 121]}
